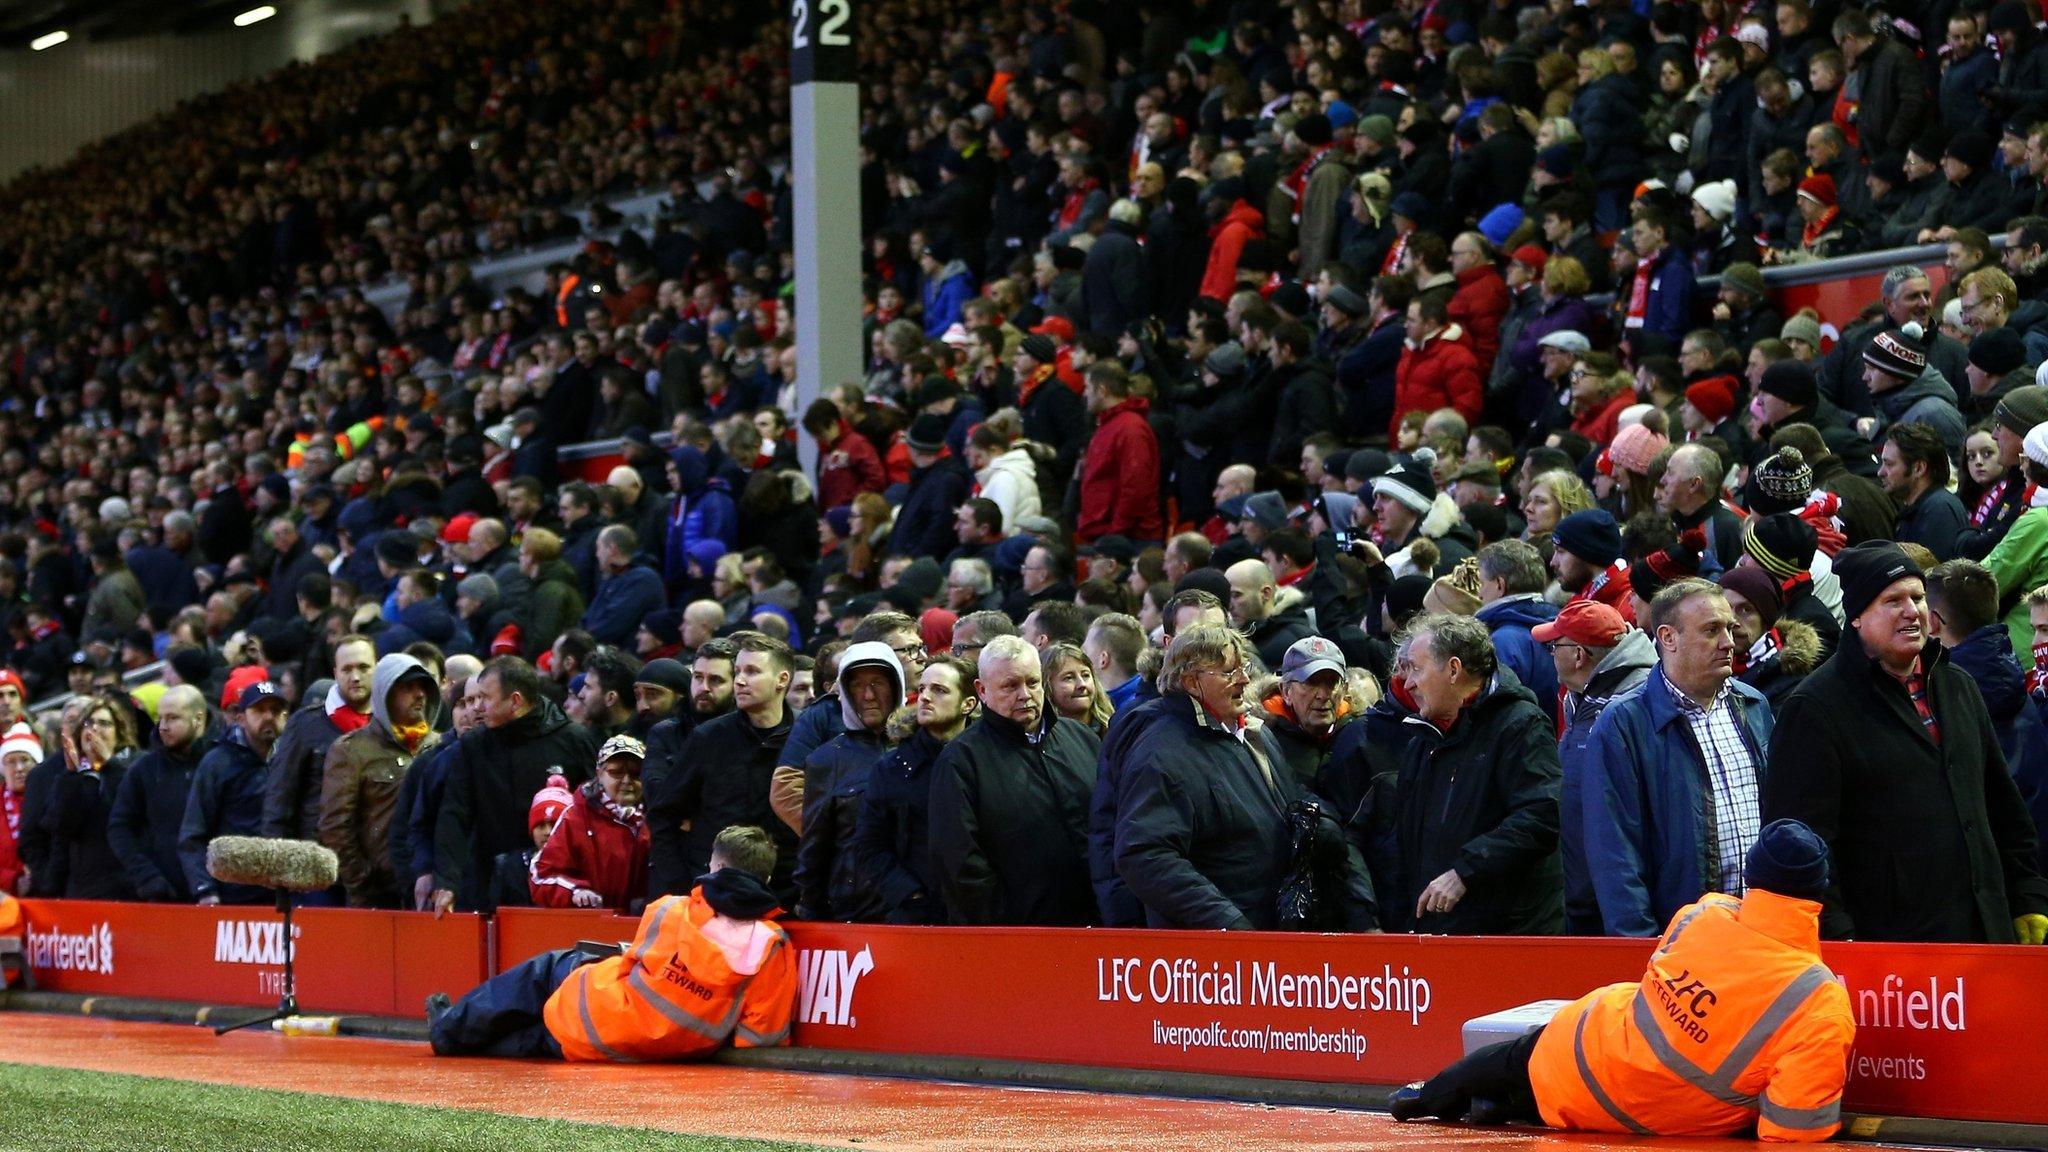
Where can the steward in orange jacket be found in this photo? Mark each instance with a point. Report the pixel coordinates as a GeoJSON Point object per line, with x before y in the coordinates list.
{"type": "Point", "coordinates": [703, 970]}
{"type": "Point", "coordinates": [1735, 1023]}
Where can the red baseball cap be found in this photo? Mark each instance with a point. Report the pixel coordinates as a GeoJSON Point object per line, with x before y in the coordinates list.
{"type": "Point", "coordinates": [1588, 623]}
{"type": "Point", "coordinates": [1058, 327]}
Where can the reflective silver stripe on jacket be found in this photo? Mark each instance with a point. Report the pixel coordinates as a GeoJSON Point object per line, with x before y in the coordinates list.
{"type": "Point", "coordinates": [1802, 1119]}
{"type": "Point", "coordinates": [715, 1033]}
{"type": "Point", "coordinates": [1720, 1084]}
{"type": "Point", "coordinates": [590, 1027]}
{"type": "Point", "coordinates": [1599, 1094]}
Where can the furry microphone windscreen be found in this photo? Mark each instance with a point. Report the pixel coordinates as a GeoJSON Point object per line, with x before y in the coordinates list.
{"type": "Point", "coordinates": [294, 865]}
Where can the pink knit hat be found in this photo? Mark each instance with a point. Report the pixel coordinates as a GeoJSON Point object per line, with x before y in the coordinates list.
{"type": "Point", "coordinates": [1635, 446]}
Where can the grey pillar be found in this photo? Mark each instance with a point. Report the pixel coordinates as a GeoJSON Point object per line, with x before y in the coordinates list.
{"type": "Point", "coordinates": [824, 110]}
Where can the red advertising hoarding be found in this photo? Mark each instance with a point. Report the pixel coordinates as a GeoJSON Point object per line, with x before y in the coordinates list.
{"type": "Point", "coordinates": [1942, 1030]}
{"type": "Point", "coordinates": [347, 960]}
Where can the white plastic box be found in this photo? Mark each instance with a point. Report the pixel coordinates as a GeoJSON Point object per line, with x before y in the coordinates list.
{"type": "Point", "coordinates": [1500, 1027]}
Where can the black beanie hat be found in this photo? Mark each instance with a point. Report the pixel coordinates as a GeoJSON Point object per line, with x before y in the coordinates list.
{"type": "Point", "coordinates": [1866, 570]}
{"type": "Point", "coordinates": [1791, 381]}
{"type": "Point", "coordinates": [1998, 351]}
{"type": "Point", "coordinates": [1788, 859]}
{"type": "Point", "coordinates": [191, 665]}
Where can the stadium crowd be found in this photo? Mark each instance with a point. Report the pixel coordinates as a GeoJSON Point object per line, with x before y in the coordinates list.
{"type": "Point", "coordinates": [1302, 477]}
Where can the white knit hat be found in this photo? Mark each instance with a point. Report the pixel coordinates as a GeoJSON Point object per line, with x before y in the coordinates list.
{"type": "Point", "coordinates": [1716, 199]}
{"type": "Point", "coordinates": [21, 738]}
{"type": "Point", "coordinates": [2035, 446]}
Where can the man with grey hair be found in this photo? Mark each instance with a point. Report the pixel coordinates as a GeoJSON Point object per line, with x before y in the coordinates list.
{"type": "Point", "coordinates": [1475, 806]}
{"type": "Point", "coordinates": [1009, 803]}
{"type": "Point", "coordinates": [628, 591]}
{"type": "Point", "coordinates": [1690, 493]}
{"type": "Point", "coordinates": [1671, 792]}
{"type": "Point", "coordinates": [1908, 295]}
{"type": "Point", "coordinates": [971, 587]}
{"type": "Point", "coordinates": [164, 570]}
{"type": "Point", "coordinates": [972, 632]}
{"type": "Point", "coordinates": [1202, 837]}
{"type": "Point", "coordinates": [1511, 582]}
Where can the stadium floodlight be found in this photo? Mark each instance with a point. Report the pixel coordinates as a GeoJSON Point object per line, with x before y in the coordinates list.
{"type": "Point", "coordinates": [49, 40]}
{"type": "Point", "coordinates": [255, 15]}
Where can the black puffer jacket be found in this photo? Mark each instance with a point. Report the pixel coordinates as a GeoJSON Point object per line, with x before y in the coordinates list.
{"type": "Point", "coordinates": [892, 838]}
{"type": "Point", "coordinates": [1482, 799]}
{"type": "Point", "coordinates": [492, 777]}
{"type": "Point", "coordinates": [1010, 821]}
{"type": "Point", "coordinates": [298, 764]}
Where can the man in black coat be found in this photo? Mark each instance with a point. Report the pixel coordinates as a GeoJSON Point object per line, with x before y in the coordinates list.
{"type": "Point", "coordinates": [1889, 752]}
{"type": "Point", "coordinates": [1116, 279]}
{"type": "Point", "coordinates": [1202, 832]}
{"type": "Point", "coordinates": [1475, 811]}
{"type": "Point", "coordinates": [939, 483]}
{"type": "Point", "coordinates": [493, 776]}
{"type": "Point", "coordinates": [227, 793]}
{"type": "Point", "coordinates": [722, 774]}
{"type": "Point", "coordinates": [892, 838]}
{"type": "Point", "coordinates": [465, 489]}
{"type": "Point", "coordinates": [1053, 414]}
{"type": "Point", "coordinates": [224, 528]}
{"type": "Point", "coordinates": [1009, 805]}
{"type": "Point", "coordinates": [149, 804]}
{"type": "Point", "coordinates": [294, 560]}
{"type": "Point", "coordinates": [1272, 618]}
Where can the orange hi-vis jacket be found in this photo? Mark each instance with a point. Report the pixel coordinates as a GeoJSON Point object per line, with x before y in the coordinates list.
{"type": "Point", "coordinates": [10, 915]}
{"type": "Point", "coordinates": [691, 980]}
{"type": "Point", "coordinates": [1736, 1022]}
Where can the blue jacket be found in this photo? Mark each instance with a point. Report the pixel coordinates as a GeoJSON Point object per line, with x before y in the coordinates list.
{"type": "Point", "coordinates": [1509, 621]}
{"type": "Point", "coordinates": [430, 620]}
{"type": "Point", "coordinates": [1647, 804]}
{"type": "Point", "coordinates": [1113, 898]}
{"type": "Point", "coordinates": [623, 600]}
{"type": "Point", "coordinates": [703, 510]}
{"type": "Point", "coordinates": [1962, 90]}
{"type": "Point", "coordinates": [1620, 672]}
{"type": "Point", "coordinates": [1986, 657]}
{"type": "Point", "coordinates": [419, 805]}
{"type": "Point", "coordinates": [924, 524]}
{"type": "Point", "coordinates": [1668, 313]}
{"type": "Point", "coordinates": [944, 296]}
{"type": "Point", "coordinates": [227, 800]}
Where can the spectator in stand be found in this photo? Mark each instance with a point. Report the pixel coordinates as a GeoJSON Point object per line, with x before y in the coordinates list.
{"type": "Point", "coordinates": [1586, 557]}
{"type": "Point", "coordinates": [1658, 302]}
{"type": "Point", "coordinates": [291, 797]}
{"type": "Point", "coordinates": [227, 792]}
{"type": "Point", "coordinates": [626, 592]}
{"type": "Point", "coordinates": [1438, 368]}
{"type": "Point", "coordinates": [725, 767]}
{"type": "Point", "coordinates": [1115, 645]}
{"type": "Point", "coordinates": [149, 803]}
{"type": "Point", "coordinates": [1475, 803]}
{"type": "Point", "coordinates": [1599, 659]}
{"type": "Point", "coordinates": [365, 774]}
{"type": "Point", "coordinates": [596, 854]}
{"type": "Point", "coordinates": [1913, 466]}
{"type": "Point", "coordinates": [830, 880]}
{"type": "Point", "coordinates": [1962, 608]}
{"type": "Point", "coordinates": [2020, 559]}
{"type": "Point", "coordinates": [1271, 617]}
{"type": "Point", "coordinates": [102, 743]}
{"type": "Point", "coordinates": [1690, 493]}
{"type": "Point", "coordinates": [1904, 392]}
{"type": "Point", "coordinates": [847, 463]}
{"type": "Point", "coordinates": [1305, 712]}
{"type": "Point", "coordinates": [1119, 483]}
{"type": "Point", "coordinates": [1890, 749]}
{"type": "Point", "coordinates": [1009, 802]}
{"type": "Point", "coordinates": [892, 835]}
{"type": "Point", "coordinates": [1673, 770]}
{"type": "Point", "coordinates": [493, 775]}
{"type": "Point", "coordinates": [1202, 810]}
{"type": "Point", "coordinates": [1511, 605]}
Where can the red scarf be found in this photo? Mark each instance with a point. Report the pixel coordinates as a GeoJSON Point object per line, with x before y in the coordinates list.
{"type": "Point", "coordinates": [1395, 251]}
{"type": "Point", "coordinates": [1813, 232]}
{"type": "Point", "coordinates": [347, 719]}
{"type": "Point", "coordinates": [1297, 181]}
{"type": "Point", "coordinates": [1029, 387]}
{"type": "Point", "coordinates": [11, 804]}
{"type": "Point", "coordinates": [1639, 293]}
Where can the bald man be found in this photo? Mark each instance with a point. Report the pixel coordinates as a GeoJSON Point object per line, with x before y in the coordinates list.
{"type": "Point", "coordinates": [1271, 617]}
{"type": "Point", "coordinates": [645, 509]}
{"type": "Point", "coordinates": [149, 802]}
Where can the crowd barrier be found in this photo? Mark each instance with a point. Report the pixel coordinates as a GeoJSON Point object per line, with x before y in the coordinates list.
{"type": "Point", "coordinates": [1947, 1031]}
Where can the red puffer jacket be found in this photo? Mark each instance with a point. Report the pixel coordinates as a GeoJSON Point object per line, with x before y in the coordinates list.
{"type": "Point", "coordinates": [1441, 373]}
{"type": "Point", "coordinates": [595, 846]}
{"type": "Point", "coordinates": [1120, 477]}
{"type": "Point", "coordinates": [1478, 306]}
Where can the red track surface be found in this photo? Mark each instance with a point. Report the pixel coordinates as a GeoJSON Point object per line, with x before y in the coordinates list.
{"type": "Point", "coordinates": [847, 1111]}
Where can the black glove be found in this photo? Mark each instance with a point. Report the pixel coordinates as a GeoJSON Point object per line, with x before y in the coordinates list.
{"type": "Point", "coordinates": [156, 890]}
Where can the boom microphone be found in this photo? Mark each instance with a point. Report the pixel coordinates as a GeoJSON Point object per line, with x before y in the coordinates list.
{"type": "Point", "coordinates": [261, 862]}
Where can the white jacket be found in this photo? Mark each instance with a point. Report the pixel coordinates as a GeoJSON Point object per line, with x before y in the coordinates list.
{"type": "Point", "coordinates": [1011, 480]}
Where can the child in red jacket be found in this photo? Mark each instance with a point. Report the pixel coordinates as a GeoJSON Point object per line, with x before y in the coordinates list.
{"type": "Point", "coordinates": [597, 855]}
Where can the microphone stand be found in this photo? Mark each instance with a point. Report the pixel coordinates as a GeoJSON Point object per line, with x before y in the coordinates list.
{"type": "Point", "coordinates": [288, 1004]}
